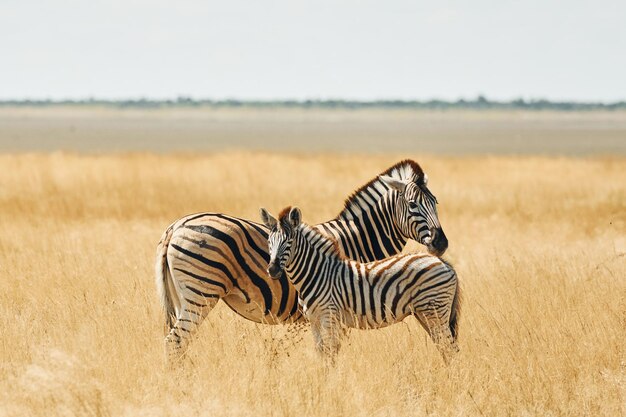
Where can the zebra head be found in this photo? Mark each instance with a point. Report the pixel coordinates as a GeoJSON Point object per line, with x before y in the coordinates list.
{"type": "Point", "coordinates": [416, 213]}
{"type": "Point", "coordinates": [280, 239]}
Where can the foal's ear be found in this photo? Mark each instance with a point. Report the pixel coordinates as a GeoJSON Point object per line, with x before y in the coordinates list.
{"type": "Point", "coordinates": [394, 183]}
{"type": "Point", "coordinates": [295, 217]}
{"type": "Point", "coordinates": [268, 220]}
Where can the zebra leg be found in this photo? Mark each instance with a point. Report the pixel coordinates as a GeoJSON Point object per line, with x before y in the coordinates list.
{"type": "Point", "coordinates": [318, 337]}
{"type": "Point", "coordinates": [186, 325]}
{"type": "Point", "coordinates": [447, 346]}
{"type": "Point", "coordinates": [328, 334]}
{"type": "Point", "coordinates": [439, 331]}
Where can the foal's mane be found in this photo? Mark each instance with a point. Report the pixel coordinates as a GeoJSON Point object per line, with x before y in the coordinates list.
{"type": "Point", "coordinates": [322, 242]}
{"type": "Point", "coordinates": [370, 193]}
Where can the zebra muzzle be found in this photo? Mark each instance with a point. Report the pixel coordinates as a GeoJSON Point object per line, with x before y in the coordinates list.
{"type": "Point", "coordinates": [438, 242]}
{"type": "Point", "coordinates": [274, 270]}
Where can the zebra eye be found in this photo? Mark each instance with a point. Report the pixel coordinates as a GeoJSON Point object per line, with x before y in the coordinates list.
{"type": "Point", "coordinates": [412, 204]}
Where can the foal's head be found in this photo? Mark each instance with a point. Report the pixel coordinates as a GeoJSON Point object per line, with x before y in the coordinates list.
{"type": "Point", "coordinates": [280, 240]}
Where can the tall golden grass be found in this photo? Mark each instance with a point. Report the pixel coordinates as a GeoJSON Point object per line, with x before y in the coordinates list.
{"type": "Point", "coordinates": [539, 245]}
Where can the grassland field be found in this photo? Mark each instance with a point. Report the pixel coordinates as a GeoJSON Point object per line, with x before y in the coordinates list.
{"type": "Point", "coordinates": [539, 243]}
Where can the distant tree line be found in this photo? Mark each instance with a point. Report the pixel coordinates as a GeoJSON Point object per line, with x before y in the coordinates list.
{"type": "Point", "coordinates": [479, 102]}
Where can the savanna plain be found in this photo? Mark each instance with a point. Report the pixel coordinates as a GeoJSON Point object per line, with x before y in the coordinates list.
{"type": "Point", "coordinates": [538, 242]}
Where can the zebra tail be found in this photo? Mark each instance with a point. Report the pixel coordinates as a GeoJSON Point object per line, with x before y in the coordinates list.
{"type": "Point", "coordinates": [456, 312]}
{"type": "Point", "coordinates": [164, 284]}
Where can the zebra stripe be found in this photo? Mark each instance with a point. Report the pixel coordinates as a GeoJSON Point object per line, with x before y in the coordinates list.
{"type": "Point", "coordinates": [207, 257]}
{"type": "Point", "coordinates": [338, 293]}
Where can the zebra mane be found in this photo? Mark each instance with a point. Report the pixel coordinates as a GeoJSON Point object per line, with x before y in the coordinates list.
{"type": "Point", "coordinates": [317, 239]}
{"type": "Point", "coordinates": [283, 216]}
{"type": "Point", "coordinates": [321, 241]}
{"type": "Point", "coordinates": [369, 194]}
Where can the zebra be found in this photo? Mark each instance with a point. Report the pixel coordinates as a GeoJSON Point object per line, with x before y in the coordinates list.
{"type": "Point", "coordinates": [207, 257]}
{"type": "Point", "coordinates": [338, 293]}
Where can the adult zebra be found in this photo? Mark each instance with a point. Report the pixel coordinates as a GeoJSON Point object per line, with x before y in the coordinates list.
{"type": "Point", "coordinates": [338, 293]}
{"type": "Point", "coordinates": [205, 257]}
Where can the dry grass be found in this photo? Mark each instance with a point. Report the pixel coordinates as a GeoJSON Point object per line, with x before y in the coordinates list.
{"type": "Point", "coordinates": [538, 243]}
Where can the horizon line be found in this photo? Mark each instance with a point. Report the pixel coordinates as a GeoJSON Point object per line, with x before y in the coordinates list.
{"type": "Point", "coordinates": [479, 102]}
{"type": "Point", "coordinates": [188, 97]}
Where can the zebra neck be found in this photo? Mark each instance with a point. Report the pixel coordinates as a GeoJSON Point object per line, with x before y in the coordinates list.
{"type": "Point", "coordinates": [312, 253]}
{"type": "Point", "coordinates": [371, 233]}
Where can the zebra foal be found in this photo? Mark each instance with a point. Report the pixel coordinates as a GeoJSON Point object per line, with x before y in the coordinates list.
{"type": "Point", "coordinates": [337, 293]}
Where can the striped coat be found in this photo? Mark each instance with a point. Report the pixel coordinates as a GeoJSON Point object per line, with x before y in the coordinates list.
{"type": "Point", "coordinates": [339, 293]}
{"type": "Point", "coordinates": [207, 257]}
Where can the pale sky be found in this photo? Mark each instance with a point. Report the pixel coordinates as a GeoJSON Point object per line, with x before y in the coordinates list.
{"type": "Point", "coordinates": [265, 49]}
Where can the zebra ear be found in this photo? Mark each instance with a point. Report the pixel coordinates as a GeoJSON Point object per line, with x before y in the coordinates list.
{"type": "Point", "coordinates": [268, 219]}
{"type": "Point", "coordinates": [295, 217]}
{"type": "Point", "coordinates": [425, 179]}
{"type": "Point", "coordinates": [394, 183]}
